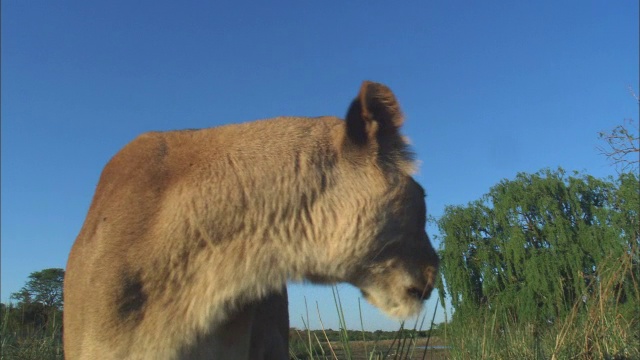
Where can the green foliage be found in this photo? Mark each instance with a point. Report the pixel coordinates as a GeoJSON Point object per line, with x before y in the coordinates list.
{"type": "Point", "coordinates": [598, 328]}
{"type": "Point", "coordinates": [536, 250]}
{"type": "Point", "coordinates": [43, 287]}
{"type": "Point", "coordinates": [32, 329]}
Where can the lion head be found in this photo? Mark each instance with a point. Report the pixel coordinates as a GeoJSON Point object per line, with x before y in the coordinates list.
{"type": "Point", "coordinates": [379, 242]}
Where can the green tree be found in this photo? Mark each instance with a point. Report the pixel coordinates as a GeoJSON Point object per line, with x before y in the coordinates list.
{"type": "Point", "coordinates": [533, 246]}
{"type": "Point", "coordinates": [43, 287]}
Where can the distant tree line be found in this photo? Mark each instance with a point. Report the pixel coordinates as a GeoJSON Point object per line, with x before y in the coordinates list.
{"type": "Point", "coordinates": [358, 335]}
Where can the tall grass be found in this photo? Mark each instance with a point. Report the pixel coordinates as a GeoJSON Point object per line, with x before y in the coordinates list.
{"type": "Point", "coordinates": [403, 346]}
{"type": "Point", "coordinates": [604, 325]}
{"type": "Point", "coordinates": [30, 342]}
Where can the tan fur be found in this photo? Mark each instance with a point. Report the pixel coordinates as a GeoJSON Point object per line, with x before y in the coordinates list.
{"type": "Point", "coordinates": [192, 235]}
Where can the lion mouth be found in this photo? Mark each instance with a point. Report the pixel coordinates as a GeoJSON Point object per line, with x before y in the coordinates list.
{"type": "Point", "coordinates": [415, 293]}
{"type": "Point", "coordinates": [419, 294]}
{"type": "Point", "coordinates": [365, 294]}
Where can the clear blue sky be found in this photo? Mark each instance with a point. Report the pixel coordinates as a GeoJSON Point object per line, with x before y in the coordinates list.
{"type": "Point", "coordinates": [489, 89]}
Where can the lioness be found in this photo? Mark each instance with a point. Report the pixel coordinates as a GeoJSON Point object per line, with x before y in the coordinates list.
{"type": "Point", "coordinates": [192, 235]}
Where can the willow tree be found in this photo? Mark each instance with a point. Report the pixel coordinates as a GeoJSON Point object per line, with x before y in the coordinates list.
{"type": "Point", "coordinates": [533, 246]}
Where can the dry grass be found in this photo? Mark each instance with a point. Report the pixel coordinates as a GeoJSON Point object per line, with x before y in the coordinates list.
{"type": "Point", "coordinates": [604, 326]}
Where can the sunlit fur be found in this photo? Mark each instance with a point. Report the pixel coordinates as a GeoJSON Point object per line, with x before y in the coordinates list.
{"type": "Point", "coordinates": [192, 235]}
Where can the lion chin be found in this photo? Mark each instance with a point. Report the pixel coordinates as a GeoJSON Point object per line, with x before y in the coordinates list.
{"type": "Point", "coordinates": [398, 304]}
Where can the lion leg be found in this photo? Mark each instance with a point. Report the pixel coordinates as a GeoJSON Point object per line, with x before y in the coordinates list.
{"type": "Point", "coordinates": [270, 328]}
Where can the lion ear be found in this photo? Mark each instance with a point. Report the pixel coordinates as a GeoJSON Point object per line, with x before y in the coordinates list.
{"type": "Point", "coordinates": [373, 115]}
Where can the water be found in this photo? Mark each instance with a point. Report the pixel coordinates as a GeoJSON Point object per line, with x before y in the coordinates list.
{"type": "Point", "coordinates": [434, 347]}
